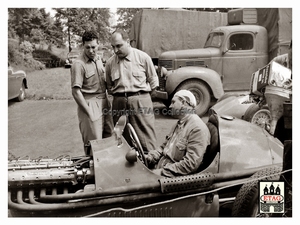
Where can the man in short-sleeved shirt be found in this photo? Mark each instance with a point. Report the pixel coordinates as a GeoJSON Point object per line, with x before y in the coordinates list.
{"type": "Point", "coordinates": [131, 77]}
{"type": "Point", "coordinates": [89, 91]}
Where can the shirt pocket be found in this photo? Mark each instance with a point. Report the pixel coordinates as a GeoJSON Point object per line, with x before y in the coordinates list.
{"type": "Point", "coordinates": [180, 149]}
{"type": "Point", "coordinates": [140, 77]}
{"type": "Point", "coordinates": [91, 80]}
{"type": "Point", "coordinates": [89, 74]}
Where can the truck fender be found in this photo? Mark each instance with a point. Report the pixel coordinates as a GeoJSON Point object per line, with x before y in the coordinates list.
{"type": "Point", "coordinates": [210, 77]}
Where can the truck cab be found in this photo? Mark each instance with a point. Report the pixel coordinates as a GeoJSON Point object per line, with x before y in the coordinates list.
{"type": "Point", "coordinates": [225, 64]}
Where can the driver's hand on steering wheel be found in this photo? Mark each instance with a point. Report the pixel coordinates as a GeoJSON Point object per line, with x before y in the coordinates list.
{"type": "Point", "coordinates": [148, 158]}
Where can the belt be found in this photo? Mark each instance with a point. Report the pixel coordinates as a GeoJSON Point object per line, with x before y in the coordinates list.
{"type": "Point", "coordinates": [129, 94]}
{"type": "Point", "coordinates": [99, 96]}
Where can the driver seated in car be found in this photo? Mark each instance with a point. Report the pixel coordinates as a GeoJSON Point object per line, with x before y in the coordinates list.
{"type": "Point", "coordinates": [183, 149]}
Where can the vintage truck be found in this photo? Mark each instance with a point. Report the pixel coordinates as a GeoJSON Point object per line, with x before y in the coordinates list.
{"type": "Point", "coordinates": [155, 31]}
{"type": "Point", "coordinates": [230, 55]}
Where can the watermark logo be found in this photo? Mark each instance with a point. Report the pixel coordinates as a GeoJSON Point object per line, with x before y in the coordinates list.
{"type": "Point", "coordinates": [146, 110]}
{"type": "Point", "coordinates": [271, 196]}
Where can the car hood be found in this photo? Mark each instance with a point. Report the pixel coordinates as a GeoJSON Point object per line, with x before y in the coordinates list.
{"type": "Point", "coordinates": [190, 53]}
{"type": "Point", "coordinates": [245, 145]}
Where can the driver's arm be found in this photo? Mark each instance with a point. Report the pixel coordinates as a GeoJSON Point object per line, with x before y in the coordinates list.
{"type": "Point", "coordinates": [195, 149]}
{"type": "Point", "coordinates": [153, 156]}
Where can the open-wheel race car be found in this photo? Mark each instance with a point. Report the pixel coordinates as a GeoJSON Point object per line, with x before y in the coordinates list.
{"type": "Point", "coordinates": [116, 182]}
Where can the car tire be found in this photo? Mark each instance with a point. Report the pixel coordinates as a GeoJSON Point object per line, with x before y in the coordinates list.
{"type": "Point", "coordinates": [201, 93]}
{"type": "Point", "coordinates": [22, 93]}
{"type": "Point", "coordinates": [246, 201]}
{"type": "Point", "coordinates": [260, 116]}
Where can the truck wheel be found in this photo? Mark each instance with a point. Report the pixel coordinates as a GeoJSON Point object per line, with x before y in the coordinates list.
{"type": "Point", "coordinates": [21, 96]}
{"type": "Point", "coordinates": [246, 201]}
{"type": "Point", "coordinates": [259, 116]}
{"type": "Point", "coordinates": [201, 92]}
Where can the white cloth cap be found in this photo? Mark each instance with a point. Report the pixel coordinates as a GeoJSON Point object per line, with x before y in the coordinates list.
{"type": "Point", "coordinates": [188, 96]}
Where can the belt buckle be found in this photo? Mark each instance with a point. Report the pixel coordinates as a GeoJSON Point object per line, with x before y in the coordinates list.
{"type": "Point", "coordinates": [125, 93]}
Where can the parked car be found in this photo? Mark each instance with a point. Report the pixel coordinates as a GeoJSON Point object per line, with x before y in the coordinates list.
{"type": "Point", "coordinates": [243, 107]}
{"type": "Point", "coordinates": [116, 181]}
{"type": "Point", "coordinates": [232, 105]}
{"type": "Point", "coordinates": [253, 107]}
{"type": "Point", "coordinates": [70, 58]}
{"type": "Point", "coordinates": [17, 83]}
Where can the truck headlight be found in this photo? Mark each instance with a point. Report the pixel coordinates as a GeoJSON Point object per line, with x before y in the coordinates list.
{"type": "Point", "coordinates": [163, 71]}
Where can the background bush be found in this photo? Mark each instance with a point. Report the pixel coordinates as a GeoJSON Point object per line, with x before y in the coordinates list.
{"type": "Point", "coordinates": [20, 56]}
{"type": "Point", "coordinates": [29, 57]}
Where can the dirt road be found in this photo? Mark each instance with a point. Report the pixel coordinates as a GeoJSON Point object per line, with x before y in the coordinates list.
{"type": "Point", "coordinates": [49, 128]}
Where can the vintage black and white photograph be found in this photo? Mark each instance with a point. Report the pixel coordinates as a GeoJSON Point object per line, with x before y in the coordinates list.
{"type": "Point", "coordinates": [150, 111]}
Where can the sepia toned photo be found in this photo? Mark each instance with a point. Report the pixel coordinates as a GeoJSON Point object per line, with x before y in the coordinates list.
{"type": "Point", "coordinates": [150, 112]}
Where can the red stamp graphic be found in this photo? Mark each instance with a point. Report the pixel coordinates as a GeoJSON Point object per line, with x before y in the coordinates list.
{"type": "Point", "coordinates": [271, 196]}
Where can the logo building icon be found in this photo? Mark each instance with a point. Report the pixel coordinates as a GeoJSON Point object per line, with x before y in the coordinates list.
{"type": "Point", "coordinates": [271, 197]}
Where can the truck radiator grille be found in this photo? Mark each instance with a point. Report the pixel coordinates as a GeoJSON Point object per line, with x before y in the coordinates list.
{"type": "Point", "coordinates": [195, 63]}
{"type": "Point", "coordinates": [168, 64]}
{"type": "Point", "coordinates": [162, 83]}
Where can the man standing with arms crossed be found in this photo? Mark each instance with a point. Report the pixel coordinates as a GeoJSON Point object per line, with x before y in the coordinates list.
{"type": "Point", "coordinates": [89, 91]}
{"type": "Point", "coordinates": [131, 79]}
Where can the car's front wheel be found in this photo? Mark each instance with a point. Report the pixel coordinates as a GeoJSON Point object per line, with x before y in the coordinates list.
{"type": "Point", "coordinates": [22, 93]}
{"type": "Point", "coordinates": [259, 116]}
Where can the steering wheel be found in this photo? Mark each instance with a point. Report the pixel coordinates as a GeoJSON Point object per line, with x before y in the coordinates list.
{"type": "Point", "coordinates": [137, 144]}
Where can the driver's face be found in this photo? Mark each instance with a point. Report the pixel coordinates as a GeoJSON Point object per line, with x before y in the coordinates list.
{"type": "Point", "coordinates": [176, 106]}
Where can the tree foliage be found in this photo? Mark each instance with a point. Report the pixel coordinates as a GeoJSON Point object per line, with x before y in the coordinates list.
{"type": "Point", "coordinates": [77, 20]}
{"type": "Point", "coordinates": [125, 17]}
{"type": "Point", "coordinates": [27, 29]}
{"type": "Point", "coordinates": [34, 25]}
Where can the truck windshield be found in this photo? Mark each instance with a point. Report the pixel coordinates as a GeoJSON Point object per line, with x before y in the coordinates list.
{"type": "Point", "coordinates": [214, 40]}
